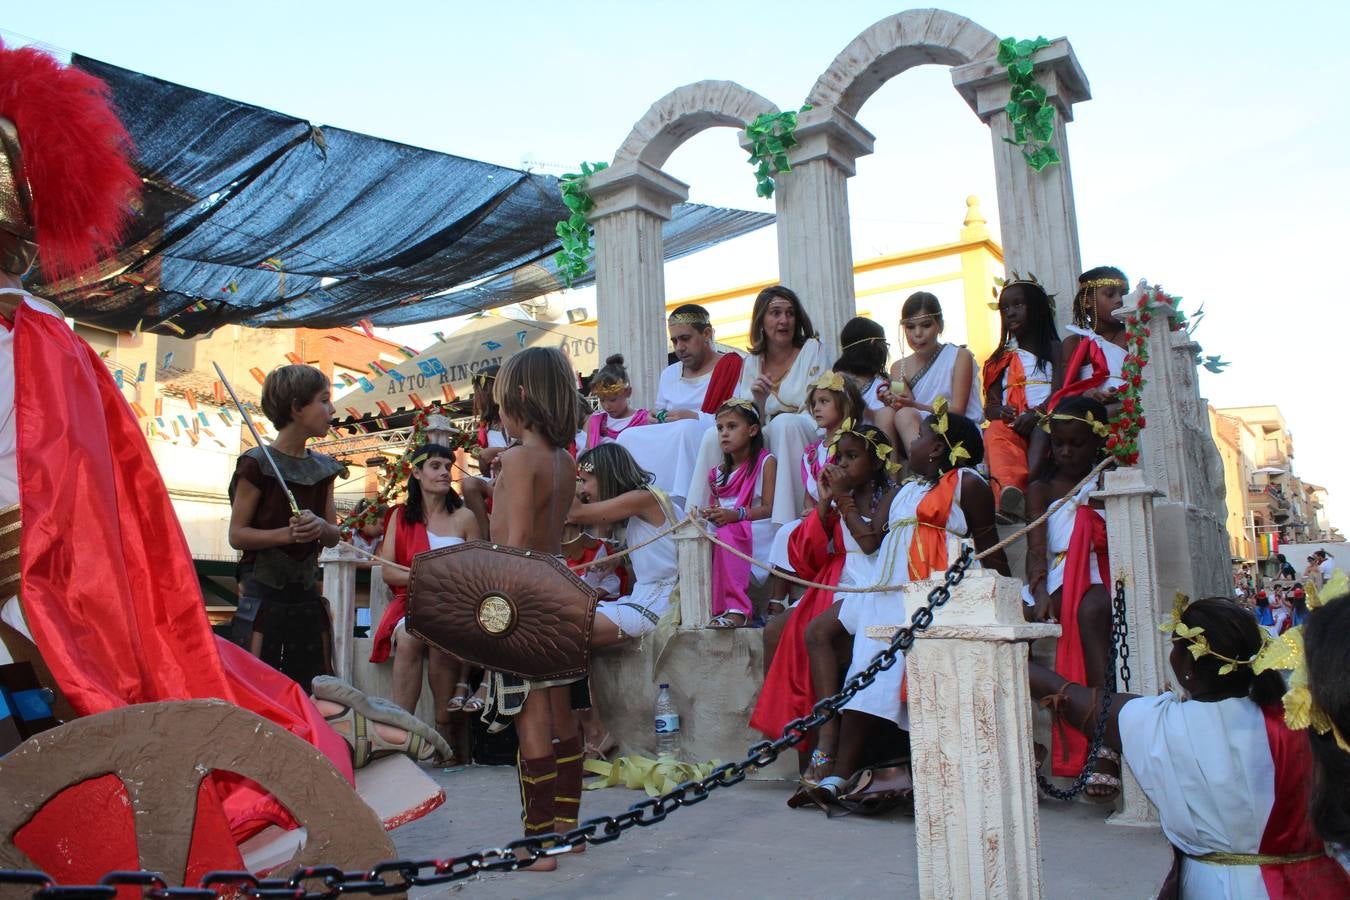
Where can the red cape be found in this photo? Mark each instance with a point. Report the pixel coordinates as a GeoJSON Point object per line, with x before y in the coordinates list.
{"type": "Point", "coordinates": [725, 376]}
{"type": "Point", "coordinates": [109, 588]}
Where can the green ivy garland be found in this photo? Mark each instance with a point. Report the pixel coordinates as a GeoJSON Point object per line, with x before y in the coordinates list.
{"type": "Point", "coordinates": [575, 230]}
{"type": "Point", "coordinates": [1032, 119]}
{"type": "Point", "coordinates": [771, 136]}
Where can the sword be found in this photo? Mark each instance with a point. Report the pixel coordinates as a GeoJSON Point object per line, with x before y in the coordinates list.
{"type": "Point", "coordinates": [257, 439]}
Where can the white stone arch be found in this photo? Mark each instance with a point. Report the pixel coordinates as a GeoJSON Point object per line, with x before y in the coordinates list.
{"type": "Point", "coordinates": [685, 112]}
{"type": "Point", "coordinates": [912, 38]}
{"type": "Point", "coordinates": [1038, 223]}
{"type": "Point", "coordinates": [632, 198]}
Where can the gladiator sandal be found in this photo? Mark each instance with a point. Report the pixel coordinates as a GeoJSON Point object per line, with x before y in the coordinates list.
{"type": "Point", "coordinates": [567, 795]}
{"type": "Point", "coordinates": [538, 784]}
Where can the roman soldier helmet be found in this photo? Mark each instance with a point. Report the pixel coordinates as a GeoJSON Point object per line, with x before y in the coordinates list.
{"type": "Point", "coordinates": [67, 187]}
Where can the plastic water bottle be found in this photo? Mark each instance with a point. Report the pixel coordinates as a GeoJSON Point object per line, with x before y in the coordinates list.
{"type": "Point", "coordinates": [667, 724]}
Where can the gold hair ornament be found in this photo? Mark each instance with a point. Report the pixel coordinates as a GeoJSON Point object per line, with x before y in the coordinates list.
{"type": "Point", "coordinates": [610, 390]}
{"type": "Point", "coordinates": [830, 381]}
{"type": "Point", "coordinates": [587, 466]}
{"type": "Point", "coordinates": [739, 403]}
{"type": "Point", "coordinates": [955, 452]}
{"type": "Point", "coordinates": [1099, 428]}
{"type": "Point", "coordinates": [882, 449]}
{"type": "Point", "coordinates": [875, 337]}
{"type": "Point", "coordinates": [1002, 284]}
{"type": "Point", "coordinates": [687, 318]}
{"type": "Point", "coordinates": [1094, 283]}
{"type": "Point", "coordinates": [1286, 654]}
{"type": "Point", "coordinates": [1196, 641]}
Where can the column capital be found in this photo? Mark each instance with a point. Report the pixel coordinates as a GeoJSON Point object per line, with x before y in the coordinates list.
{"type": "Point", "coordinates": [984, 84]}
{"type": "Point", "coordinates": [1128, 481]}
{"type": "Point", "coordinates": [827, 133]}
{"type": "Point", "coordinates": [634, 184]}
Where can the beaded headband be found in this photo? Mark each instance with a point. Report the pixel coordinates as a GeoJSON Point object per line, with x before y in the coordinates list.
{"type": "Point", "coordinates": [687, 318]}
{"type": "Point", "coordinates": [610, 390]}
{"type": "Point", "coordinates": [1095, 283]}
{"type": "Point", "coordinates": [1099, 428]}
{"type": "Point", "coordinates": [957, 451]}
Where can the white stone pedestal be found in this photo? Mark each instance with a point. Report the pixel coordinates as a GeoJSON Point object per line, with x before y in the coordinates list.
{"type": "Point", "coordinates": [976, 818]}
{"type": "Point", "coordinates": [339, 587]}
{"type": "Point", "coordinates": [694, 562]}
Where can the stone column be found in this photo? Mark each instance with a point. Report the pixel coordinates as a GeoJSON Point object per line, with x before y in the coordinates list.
{"type": "Point", "coordinates": [1129, 530]}
{"type": "Point", "coordinates": [1179, 459]}
{"type": "Point", "coordinates": [976, 816]}
{"type": "Point", "coordinates": [815, 250]}
{"type": "Point", "coordinates": [339, 587]}
{"type": "Point", "coordinates": [1036, 210]}
{"type": "Point", "coordinates": [632, 200]}
{"type": "Point", "coordinates": [694, 559]}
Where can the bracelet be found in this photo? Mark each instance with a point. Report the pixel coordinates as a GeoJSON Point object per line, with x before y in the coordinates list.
{"type": "Point", "coordinates": [743, 513]}
{"type": "Point", "coordinates": [660, 416]}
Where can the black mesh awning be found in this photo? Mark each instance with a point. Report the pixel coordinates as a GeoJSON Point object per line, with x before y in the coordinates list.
{"type": "Point", "coordinates": [254, 217]}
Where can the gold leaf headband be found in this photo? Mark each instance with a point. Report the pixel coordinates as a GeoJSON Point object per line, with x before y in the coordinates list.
{"type": "Point", "coordinates": [610, 390]}
{"type": "Point", "coordinates": [687, 318]}
{"type": "Point", "coordinates": [882, 449]}
{"type": "Point", "coordinates": [1004, 283]}
{"type": "Point", "coordinates": [1099, 428]}
{"type": "Point", "coordinates": [957, 451]}
{"type": "Point", "coordinates": [1196, 641]}
{"type": "Point", "coordinates": [829, 381]}
{"type": "Point", "coordinates": [739, 403]}
{"type": "Point", "coordinates": [587, 466]}
{"type": "Point", "coordinates": [1285, 653]}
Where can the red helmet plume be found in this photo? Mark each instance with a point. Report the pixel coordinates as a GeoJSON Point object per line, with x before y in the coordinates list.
{"type": "Point", "coordinates": [76, 159]}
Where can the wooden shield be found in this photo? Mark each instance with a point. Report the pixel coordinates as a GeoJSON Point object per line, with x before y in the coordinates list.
{"type": "Point", "coordinates": [514, 611]}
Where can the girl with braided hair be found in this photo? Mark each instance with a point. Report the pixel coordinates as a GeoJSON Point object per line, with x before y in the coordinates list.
{"type": "Point", "coordinates": [1095, 348]}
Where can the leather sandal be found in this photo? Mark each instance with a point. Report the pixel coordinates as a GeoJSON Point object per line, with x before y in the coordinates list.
{"type": "Point", "coordinates": [457, 701]}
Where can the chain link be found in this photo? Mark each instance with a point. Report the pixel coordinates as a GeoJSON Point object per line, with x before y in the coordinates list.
{"type": "Point", "coordinates": [401, 875]}
{"type": "Point", "coordinates": [1121, 634]}
{"type": "Point", "coordinates": [1118, 632]}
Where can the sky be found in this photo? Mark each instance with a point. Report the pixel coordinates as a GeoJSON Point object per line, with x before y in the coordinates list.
{"type": "Point", "coordinates": [1211, 158]}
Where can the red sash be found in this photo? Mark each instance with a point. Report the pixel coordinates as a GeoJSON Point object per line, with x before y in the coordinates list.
{"type": "Point", "coordinates": [928, 550]}
{"type": "Point", "coordinates": [1004, 449]}
{"type": "Point", "coordinates": [725, 376]}
{"type": "Point", "coordinates": [788, 692]}
{"type": "Point", "coordinates": [410, 539]}
{"type": "Point", "coordinates": [1289, 831]}
{"type": "Point", "coordinates": [1089, 536]}
{"type": "Point", "coordinates": [1087, 353]}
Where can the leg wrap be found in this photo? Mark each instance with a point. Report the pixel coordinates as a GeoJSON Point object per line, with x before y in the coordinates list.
{"type": "Point", "coordinates": [538, 784]}
{"type": "Point", "coordinates": [567, 797]}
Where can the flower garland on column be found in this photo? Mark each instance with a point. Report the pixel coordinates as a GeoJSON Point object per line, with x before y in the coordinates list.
{"type": "Point", "coordinates": [1123, 441]}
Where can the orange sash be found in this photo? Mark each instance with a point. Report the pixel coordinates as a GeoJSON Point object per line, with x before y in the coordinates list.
{"type": "Point", "coordinates": [928, 549]}
{"type": "Point", "coordinates": [1009, 365]}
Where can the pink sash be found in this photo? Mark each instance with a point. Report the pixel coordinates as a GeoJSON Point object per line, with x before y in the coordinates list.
{"type": "Point", "coordinates": [731, 574]}
{"type": "Point", "coordinates": [597, 429]}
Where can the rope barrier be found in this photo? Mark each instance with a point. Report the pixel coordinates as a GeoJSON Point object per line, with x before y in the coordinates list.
{"type": "Point", "coordinates": [693, 518]}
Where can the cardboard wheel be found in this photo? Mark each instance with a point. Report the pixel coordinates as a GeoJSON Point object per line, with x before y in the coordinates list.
{"type": "Point", "coordinates": [161, 752]}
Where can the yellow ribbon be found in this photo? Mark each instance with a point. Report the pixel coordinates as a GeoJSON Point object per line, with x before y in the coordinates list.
{"type": "Point", "coordinates": [655, 776]}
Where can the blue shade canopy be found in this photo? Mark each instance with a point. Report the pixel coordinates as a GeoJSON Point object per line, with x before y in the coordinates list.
{"type": "Point", "coordinates": [250, 216]}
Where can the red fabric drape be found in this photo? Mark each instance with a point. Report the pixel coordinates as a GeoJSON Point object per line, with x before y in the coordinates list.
{"type": "Point", "coordinates": [725, 376]}
{"type": "Point", "coordinates": [410, 539]}
{"type": "Point", "coordinates": [788, 692]}
{"type": "Point", "coordinates": [109, 588]}
{"type": "Point", "coordinates": [1087, 353]}
{"type": "Point", "coordinates": [1089, 537]}
{"type": "Point", "coordinates": [1004, 449]}
{"type": "Point", "coordinates": [1289, 831]}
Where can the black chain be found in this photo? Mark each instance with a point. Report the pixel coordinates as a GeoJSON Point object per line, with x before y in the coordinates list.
{"type": "Point", "coordinates": [1121, 634]}
{"type": "Point", "coordinates": [1118, 632]}
{"type": "Point", "coordinates": [401, 875]}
